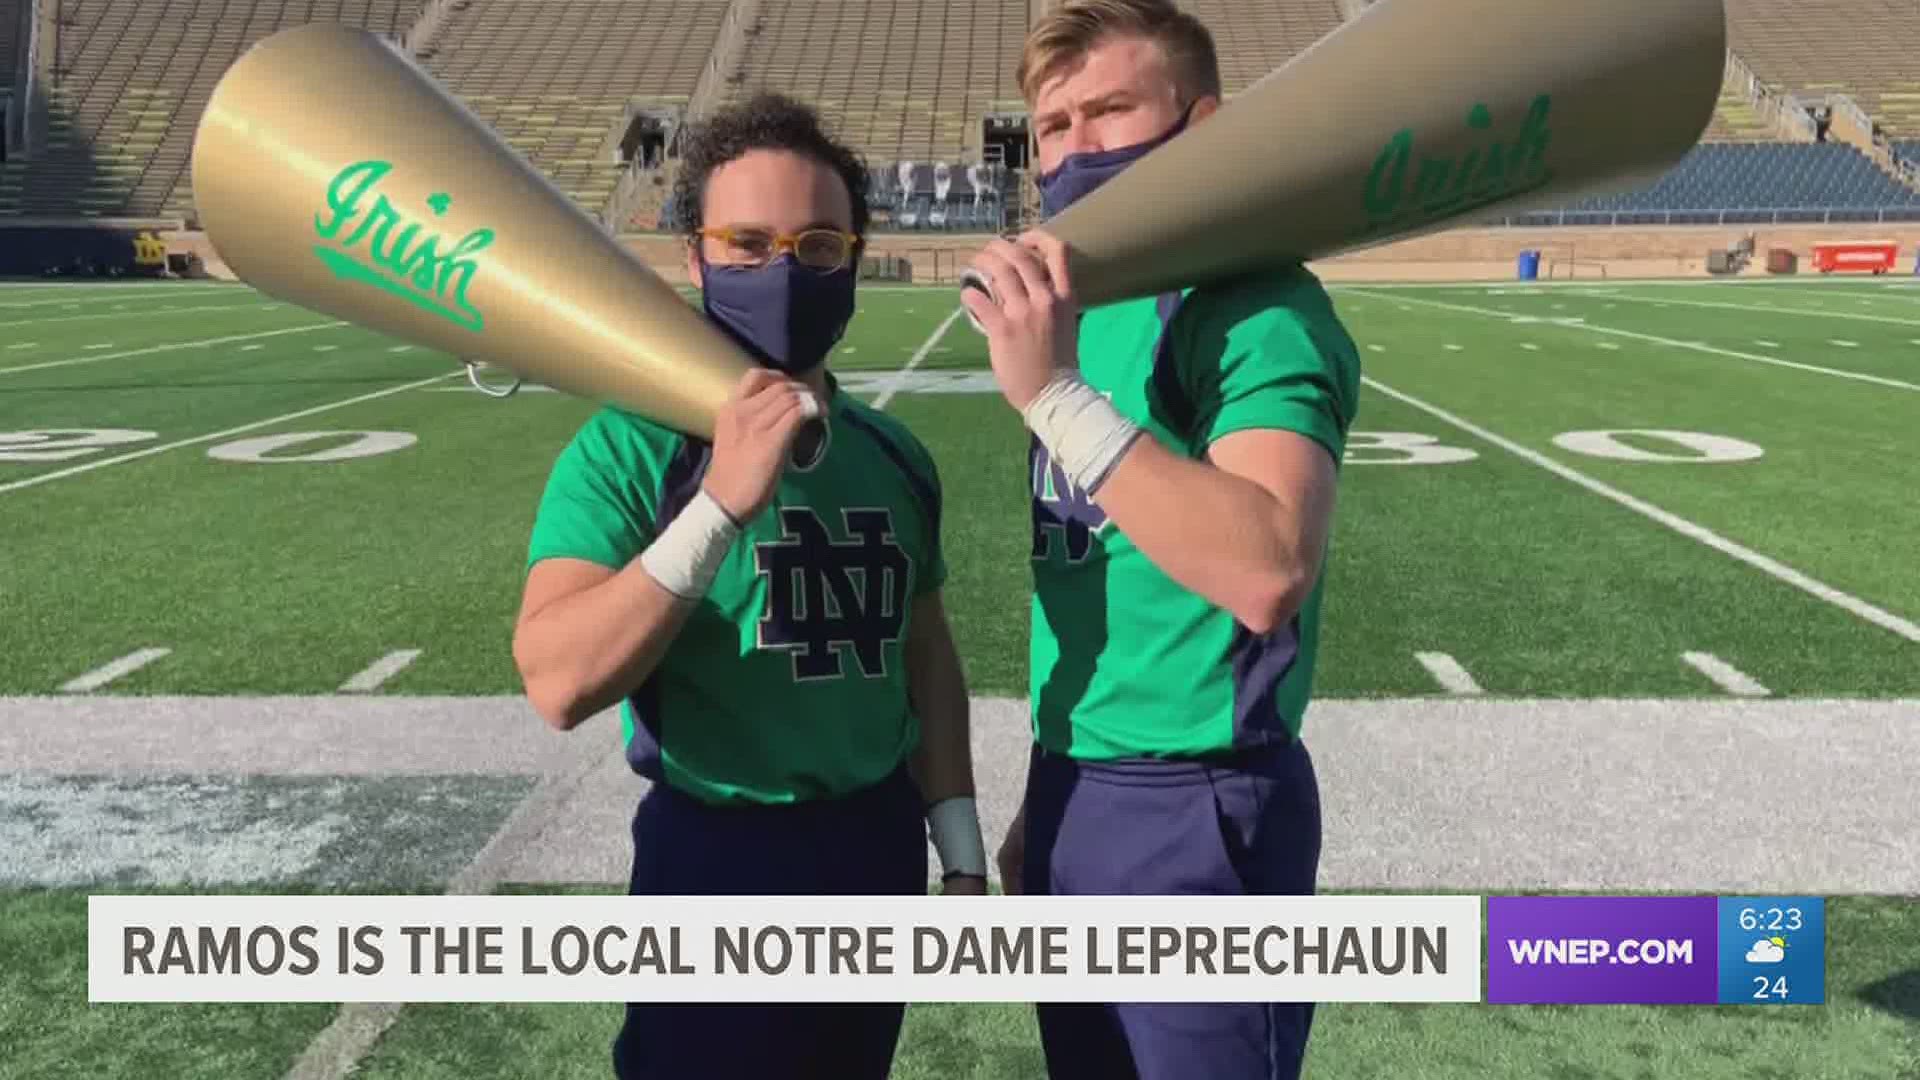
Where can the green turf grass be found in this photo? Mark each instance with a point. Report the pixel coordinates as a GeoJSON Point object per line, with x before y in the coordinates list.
{"type": "Point", "coordinates": [292, 577]}
{"type": "Point", "coordinates": [48, 1031]}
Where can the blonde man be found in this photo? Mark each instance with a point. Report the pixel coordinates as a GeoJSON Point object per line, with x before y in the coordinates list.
{"type": "Point", "coordinates": [1185, 451]}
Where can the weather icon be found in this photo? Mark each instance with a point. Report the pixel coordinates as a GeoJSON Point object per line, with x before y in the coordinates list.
{"type": "Point", "coordinates": [1768, 951]}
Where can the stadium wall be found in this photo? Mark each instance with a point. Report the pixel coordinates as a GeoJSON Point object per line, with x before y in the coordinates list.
{"type": "Point", "coordinates": [1460, 254]}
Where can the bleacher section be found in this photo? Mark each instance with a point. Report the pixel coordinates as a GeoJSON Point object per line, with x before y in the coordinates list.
{"type": "Point", "coordinates": [1254, 38]}
{"type": "Point", "coordinates": [555, 77]}
{"type": "Point", "coordinates": [130, 80]}
{"type": "Point", "coordinates": [1736, 120]}
{"type": "Point", "coordinates": [901, 80]}
{"type": "Point", "coordinates": [1746, 178]}
{"type": "Point", "coordinates": [1866, 49]}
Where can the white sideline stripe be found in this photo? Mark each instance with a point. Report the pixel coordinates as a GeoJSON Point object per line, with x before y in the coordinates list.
{"type": "Point", "coordinates": [269, 422]}
{"type": "Point", "coordinates": [68, 300]}
{"type": "Point", "coordinates": [1694, 345]}
{"type": "Point", "coordinates": [1772, 309]}
{"type": "Point", "coordinates": [106, 673]}
{"type": "Point", "coordinates": [1448, 673]}
{"type": "Point", "coordinates": [926, 347]}
{"type": "Point", "coordinates": [169, 348]}
{"type": "Point", "coordinates": [380, 671]}
{"type": "Point", "coordinates": [1725, 675]}
{"type": "Point", "coordinates": [1876, 615]}
{"type": "Point", "coordinates": [117, 314]}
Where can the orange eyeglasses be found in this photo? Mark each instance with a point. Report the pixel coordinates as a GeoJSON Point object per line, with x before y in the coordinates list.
{"type": "Point", "coordinates": [751, 245]}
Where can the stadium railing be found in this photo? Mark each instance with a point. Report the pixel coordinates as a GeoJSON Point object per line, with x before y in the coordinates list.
{"type": "Point", "coordinates": [19, 118]}
{"type": "Point", "coordinates": [1787, 216]}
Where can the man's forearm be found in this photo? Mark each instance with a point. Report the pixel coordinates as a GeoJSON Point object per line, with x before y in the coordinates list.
{"type": "Point", "coordinates": [1220, 535]}
{"type": "Point", "coordinates": [585, 652]}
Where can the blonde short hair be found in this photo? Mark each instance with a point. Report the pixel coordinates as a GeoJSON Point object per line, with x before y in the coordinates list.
{"type": "Point", "coordinates": [1065, 34]}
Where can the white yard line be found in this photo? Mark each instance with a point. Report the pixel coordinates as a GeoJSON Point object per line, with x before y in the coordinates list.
{"type": "Point", "coordinates": [380, 671]}
{"type": "Point", "coordinates": [106, 673]}
{"type": "Point", "coordinates": [1447, 671]}
{"type": "Point", "coordinates": [926, 348]}
{"type": "Point", "coordinates": [174, 347]}
{"type": "Point", "coordinates": [1724, 675]}
{"type": "Point", "coordinates": [124, 315]}
{"type": "Point", "coordinates": [1696, 346]}
{"type": "Point", "coordinates": [1769, 309]}
{"type": "Point", "coordinates": [1772, 567]}
{"type": "Point", "coordinates": [51, 301]}
{"type": "Point", "coordinates": [197, 439]}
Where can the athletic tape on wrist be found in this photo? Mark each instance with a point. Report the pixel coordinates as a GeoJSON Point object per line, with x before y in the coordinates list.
{"type": "Point", "coordinates": [685, 558]}
{"type": "Point", "coordinates": [955, 827]}
{"type": "Point", "coordinates": [1080, 428]}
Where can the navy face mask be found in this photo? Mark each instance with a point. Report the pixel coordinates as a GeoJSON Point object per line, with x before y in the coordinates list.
{"type": "Point", "coordinates": [787, 315]}
{"type": "Point", "coordinates": [1078, 175]}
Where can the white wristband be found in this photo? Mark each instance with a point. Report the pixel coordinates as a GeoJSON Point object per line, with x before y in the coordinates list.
{"type": "Point", "coordinates": [955, 826]}
{"type": "Point", "coordinates": [685, 557]}
{"type": "Point", "coordinates": [1080, 428]}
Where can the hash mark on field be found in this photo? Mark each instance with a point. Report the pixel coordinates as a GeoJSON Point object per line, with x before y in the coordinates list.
{"type": "Point", "coordinates": [401, 348]}
{"type": "Point", "coordinates": [1878, 616]}
{"type": "Point", "coordinates": [1610, 346]}
{"type": "Point", "coordinates": [1694, 345]}
{"type": "Point", "coordinates": [1529, 346]}
{"type": "Point", "coordinates": [101, 676]}
{"type": "Point", "coordinates": [1376, 348]}
{"type": "Point", "coordinates": [1844, 344]}
{"type": "Point", "coordinates": [1768, 344]}
{"type": "Point", "coordinates": [22, 345]}
{"type": "Point", "coordinates": [926, 347]}
{"type": "Point", "coordinates": [1456, 348]}
{"type": "Point", "coordinates": [251, 348]}
{"type": "Point", "coordinates": [325, 348]}
{"type": "Point", "coordinates": [380, 671]}
{"type": "Point", "coordinates": [1725, 675]}
{"type": "Point", "coordinates": [107, 345]}
{"type": "Point", "coordinates": [1448, 673]}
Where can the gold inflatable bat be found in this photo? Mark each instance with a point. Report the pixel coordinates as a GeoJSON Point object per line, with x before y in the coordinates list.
{"type": "Point", "coordinates": [1413, 117]}
{"type": "Point", "coordinates": [334, 173]}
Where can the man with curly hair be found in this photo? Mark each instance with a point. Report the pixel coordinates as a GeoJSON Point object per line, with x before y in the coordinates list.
{"type": "Point", "coordinates": [772, 632]}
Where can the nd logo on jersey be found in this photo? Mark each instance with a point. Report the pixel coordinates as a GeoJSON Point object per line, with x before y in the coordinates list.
{"type": "Point", "coordinates": [825, 597]}
{"type": "Point", "coordinates": [1060, 508]}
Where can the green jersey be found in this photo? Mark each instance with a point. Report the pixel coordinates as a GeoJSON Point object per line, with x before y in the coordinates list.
{"type": "Point", "coordinates": [1126, 662]}
{"type": "Point", "coordinates": [788, 681]}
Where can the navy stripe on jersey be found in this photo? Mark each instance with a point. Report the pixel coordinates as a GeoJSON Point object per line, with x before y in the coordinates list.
{"type": "Point", "coordinates": [678, 485]}
{"type": "Point", "coordinates": [1260, 663]}
{"type": "Point", "coordinates": [1175, 408]}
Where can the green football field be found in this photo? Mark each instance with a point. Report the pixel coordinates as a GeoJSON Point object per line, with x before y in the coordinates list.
{"type": "Point", "coordinates": [1572, 498]}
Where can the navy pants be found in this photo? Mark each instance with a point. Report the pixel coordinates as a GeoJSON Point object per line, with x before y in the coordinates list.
{"type": "Point", "coordinates": [1248, 825]}
{"type": "Point", "coordinates": [873, 842]}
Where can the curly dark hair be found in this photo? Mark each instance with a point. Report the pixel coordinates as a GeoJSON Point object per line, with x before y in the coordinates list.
{"type": "Point", "coordinates": [766, 121]}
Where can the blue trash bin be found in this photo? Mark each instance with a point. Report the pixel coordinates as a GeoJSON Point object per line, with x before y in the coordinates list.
{"type": "Point", "coordinates": [1529, 266]}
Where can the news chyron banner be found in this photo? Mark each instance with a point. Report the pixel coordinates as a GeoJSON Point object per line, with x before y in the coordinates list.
{"type": "Point", "coordinates": [1515, 950]}
{"type": "Point", "coordinates": [782, 948]}
{"type": "Point", "coordinates": [1656, 950]}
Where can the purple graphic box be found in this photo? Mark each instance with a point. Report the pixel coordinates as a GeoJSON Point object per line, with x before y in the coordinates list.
{"type": "Point", "coordinates": [1603, 950]}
